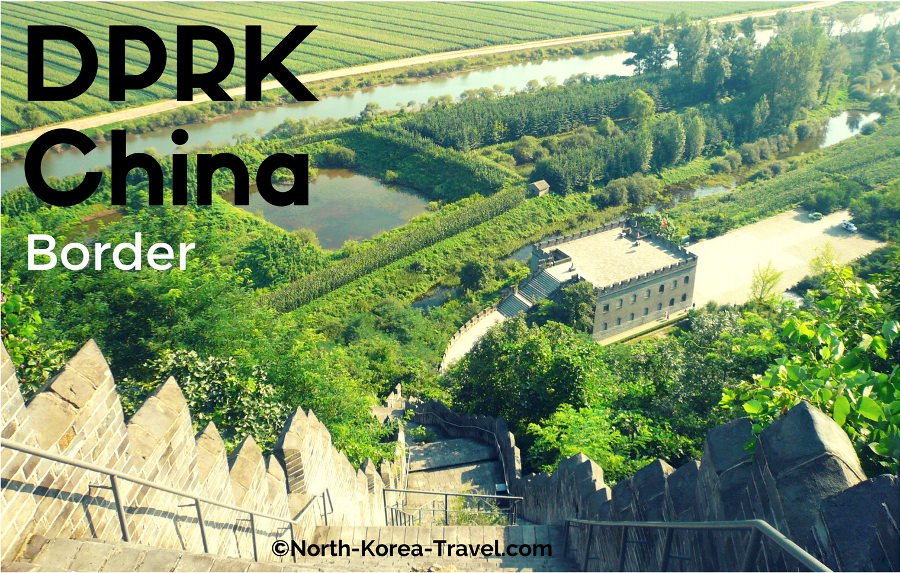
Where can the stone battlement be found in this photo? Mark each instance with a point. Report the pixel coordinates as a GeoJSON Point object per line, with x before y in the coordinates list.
{"type": "Point", "coordinates": [802, 476]}
{"type": "Point", "coordinates": [79, 415]}
{"type": "Point", "coordinates": [637, 279]}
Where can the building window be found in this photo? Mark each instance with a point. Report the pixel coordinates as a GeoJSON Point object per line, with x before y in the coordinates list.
{"type": "Point", "coordinates": [683, 297]}
{"type": "Point", "coordinates": [662, 288]}
{"type": "Point", "coordinates": [619, 304]}
{"type": "Point", "coordinates": [671, 302]}
{"type": "Point", "coordinates": [633, 298]}
{"type": "Point", "coordinates": [647, 294]}
{"type": "Point", "coordinates": [659, 306]}
{"type": "Point", "coordinates": [605, 326]}
{"type": "Point", "coordinates": [605, 308]}
{"type": "Point", "coordinates": [630, 317]}
{"type": "Point", "coordinates": [687, 280]}
{"type": "Point", "coordinates": [618, 321]}
{"type": "Point", "coordinates": [646, 311]}
{"type": "Point", "coordinates": [674, 284]}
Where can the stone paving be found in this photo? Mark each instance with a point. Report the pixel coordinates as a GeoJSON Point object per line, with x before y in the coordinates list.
{"type": "Point", "coordinates": [458, 465]}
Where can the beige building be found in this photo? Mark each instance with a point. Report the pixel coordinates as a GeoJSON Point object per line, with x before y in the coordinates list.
{"type": "Point", "coordinates": [638, 277]}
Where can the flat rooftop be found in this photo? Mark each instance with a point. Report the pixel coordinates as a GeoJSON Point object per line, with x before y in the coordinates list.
{"type": "Point", "coordinates": [606, 258]}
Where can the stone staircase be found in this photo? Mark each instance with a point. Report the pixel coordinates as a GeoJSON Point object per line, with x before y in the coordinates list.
{"type": "Point", "coordinates": [470, 536]}
{"type": "Point", "coordinates": [514, 304]}
{"type": "Point", "coordinates": [61, 554]}
{"type": "Point", "coordinates": [536, 288]}
{"type": "Point", "coordinates": [540, 286]}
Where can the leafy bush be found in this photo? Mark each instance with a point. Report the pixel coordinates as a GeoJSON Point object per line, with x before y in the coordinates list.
{"type": "Point", "coordinates": [841, 357]}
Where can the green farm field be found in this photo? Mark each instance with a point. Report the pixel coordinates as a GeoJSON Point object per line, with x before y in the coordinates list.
{"type": "Point", "coordinates": [348, 34]}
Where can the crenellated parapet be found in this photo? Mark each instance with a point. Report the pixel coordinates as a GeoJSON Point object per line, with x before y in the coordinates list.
{"type": "Point", "coordinates": [801, 475]}
{"type": "Point", "coordinates": [78, 415]}
{"type": "Point", "coordinates": [650, 276]}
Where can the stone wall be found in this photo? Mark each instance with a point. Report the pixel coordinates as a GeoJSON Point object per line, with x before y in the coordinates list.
{"type": "Point", "coordinates": [491, 431]}
{"type": "Point", "coordinates": [79, 415]}
{"type": "Point", "coordinates": [802, 476]}
{"type": "Point", "coordinates": [639, 300]}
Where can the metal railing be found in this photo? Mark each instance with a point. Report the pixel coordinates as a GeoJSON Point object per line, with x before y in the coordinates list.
{"type": "Point", "coordinates": [115, 476]}
{"type": "Point", "coordinates": [485, 430]}
{"type": "Point", "coordinates": [402, 518]}
{"type": "Point", "coordinates": [511, 511]}
{"type": "Point", "coordinates": [615, 550]}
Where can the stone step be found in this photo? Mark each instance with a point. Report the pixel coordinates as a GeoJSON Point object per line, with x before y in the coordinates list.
{"type": "Point", "coordinates": [513, 305]}
{"type": "Point", "coordinates": [465, 535]}
{"type": "Point", "coordinates": [42, 554]}
{"type": "Point", "coordinates": [449, 452]}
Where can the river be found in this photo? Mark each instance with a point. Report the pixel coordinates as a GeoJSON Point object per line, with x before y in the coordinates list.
{"type": "Point", "coordinates": [222, 131]}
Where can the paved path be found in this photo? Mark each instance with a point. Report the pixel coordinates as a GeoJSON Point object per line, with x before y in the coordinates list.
{"type": "Point", "coordinates": [159, 107]}
{"type": "Point", "coordinates": [790, 241]}
{"type": "Point", "coordinates": [462, 345]}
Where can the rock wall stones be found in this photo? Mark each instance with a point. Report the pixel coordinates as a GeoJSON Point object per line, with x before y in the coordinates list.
{"type": "Point", "coordinates": [801, 475]}
{"type": "Point", "coordinates": [491, 431]}
{"type": "Point", "coordinates": [78, 415]}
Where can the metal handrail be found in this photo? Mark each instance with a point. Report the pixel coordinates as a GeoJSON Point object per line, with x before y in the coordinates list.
{"type": "Point", "coordinates": [514, 499]}
{"type": "Point", "coordinates": [757, 527]}
{"type": "Point", "coordinates": [493, 434]}
{"type": "Point", "coordinates": [115, 475]}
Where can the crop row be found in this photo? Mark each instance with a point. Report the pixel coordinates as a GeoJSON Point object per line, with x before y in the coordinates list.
{"type": "Point", "coordinates": [347, 35]}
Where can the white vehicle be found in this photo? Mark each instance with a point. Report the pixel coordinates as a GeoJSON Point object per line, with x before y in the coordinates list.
{"type": "Point", "coordinates": [848, 226]}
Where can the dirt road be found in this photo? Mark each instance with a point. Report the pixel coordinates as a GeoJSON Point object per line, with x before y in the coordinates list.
{"type": "Point", "coordinates": [789, 241]}
{"type": "Point", "coordinates": [159, 107]}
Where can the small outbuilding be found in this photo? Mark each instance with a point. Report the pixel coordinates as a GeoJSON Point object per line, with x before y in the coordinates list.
{"type": "Point", "coordinates": [538, 188]}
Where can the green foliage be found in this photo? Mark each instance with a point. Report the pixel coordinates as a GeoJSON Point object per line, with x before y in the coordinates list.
{"type": "Point", "coordinates": [524, 373]}
{"type": "Point", "coordinates": [34, 361]}
{"type": "Point", "coordinates": [841, 356]}
{"type": "Point", "coordinates": [440, 226]}
{"type": "Point", "coordinates": [573, 305]}
{"type": "Point", "coordinates": [470, 124]}
{"type": "Point", "coordinates": [238, 404]}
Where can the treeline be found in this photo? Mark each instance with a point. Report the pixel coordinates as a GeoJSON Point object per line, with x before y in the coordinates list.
{"type": "Point", "coordinates": [396, 155]}
{"type": "Point", "coordinates": [835, 178]}
{"type": "Point", "coordinates": [665, 140]}
{"type": "Point", "coordinates": [479, 122]}
{"type": "Point", "coordinates": [476, 210]}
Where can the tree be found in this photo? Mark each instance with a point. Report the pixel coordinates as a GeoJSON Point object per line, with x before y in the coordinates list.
{"type": "Point", "coordinates": [668, 141]}
{"type": "Point", "coordinates": [840, 356]}
{"type": "Point", "coordinates": [834, 68]}
{"type": "Point", "coordinates": [717, 72]}
{"type": "Point", "coordinates": [31, 116]}
{"type": "Point", "coordinates": [240, 405]}
{"type": "Point", "coordinates": [693, 47]}
{"type": "Point", "coordinates": [748, 28]}
{"type": "Point", "coordinates": [694, 137]}
{"type": "Point", "coordinates": [760, 115]}
{"type": "Point", "coordinates": [764, 287]}
{"type": "Point", "coordinates": [790, 68]}
{"type": "Point", "coordinates": [524, 373]}
{"type": "Point", "coordinates": [476, 274]}
{"type": "Point", "coordinates": [371, 110]}
{"type": "Point", "coordinates": [651, 50]}
{"type": "Point", "coordinates": [639, 106]}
